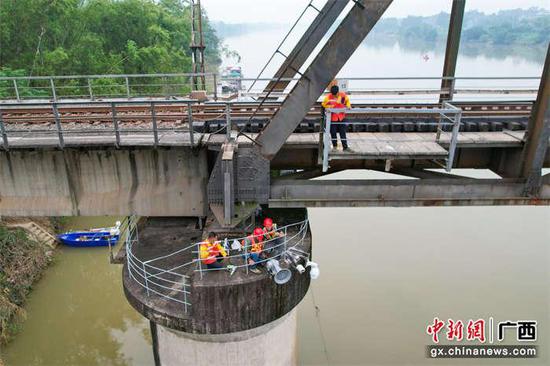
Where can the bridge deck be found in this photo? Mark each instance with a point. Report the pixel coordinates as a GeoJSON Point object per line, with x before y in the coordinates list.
{"type": "Point", "coordinates": [465, 139]}
{"type": "Point", "coordinates": [387, 145]}
{"type": "Point", "coordinates": [366, 144]}
{"type": "Point", "coordinates": [99, 139]}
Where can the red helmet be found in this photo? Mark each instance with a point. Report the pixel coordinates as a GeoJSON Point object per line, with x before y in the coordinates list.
{"type": "Point", "coordinates": [258, 232]}
{"type": "Point", "coordinates": [268, 222]}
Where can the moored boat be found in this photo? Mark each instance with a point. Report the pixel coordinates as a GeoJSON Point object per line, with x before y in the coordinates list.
{"type": "Point", "coordinates": [100, 237]}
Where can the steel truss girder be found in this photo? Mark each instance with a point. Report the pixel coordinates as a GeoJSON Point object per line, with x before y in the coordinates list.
{"type": "Point", "coordinates": [538, 133]}
{"type": "Point", "coordinates": [423, 173]}
{"type": "Point", "coordinates": [403, 193]}
{"type": "Point", "coordinates": [453, 43]}
{"type": "Point", "coordinates": [338, 49]}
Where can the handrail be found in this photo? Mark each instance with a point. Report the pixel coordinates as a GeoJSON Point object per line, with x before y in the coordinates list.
{"type": "Point", "coordinates": [301, 232]}
{"type": "Point", "coordinates": [178, 86]}
{"type": "Point", "coordinates": [109, 76]}
{"type": "Point", "coordinates": [101, 76]}
{"type": "Point", "coordinates": [175, 286]}
{"type": "Point", "coordinates": [444, 111]}
{"type": "Point", "coordinates": [120, 85]}
{"type": "Point", "coordinates": [114, 117]}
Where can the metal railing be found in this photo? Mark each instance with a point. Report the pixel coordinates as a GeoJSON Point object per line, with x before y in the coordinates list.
{"type": "Point", "coordinates": [179, 85]}
{"type": "Point", "coordinates": [119, 122]}
{"type": "Point", "coordinates": [449, 115]}
{"type": "Point", "coordinates": [167, 123]}
{"type": "Point", "coordinates": [166, 283]}
{"type": "Point", "coordinates": [93, 87]}
{"type": "Point", "coordinates": [113, 121]}
{"type": "Point", "coordinates": [126, 227]}
{"type": "Point", "coordinates": [276, 246]}
{"type": "Point", "coordinates": [172, 282]}
{"type": "Point", "coordinates": [419, 89]}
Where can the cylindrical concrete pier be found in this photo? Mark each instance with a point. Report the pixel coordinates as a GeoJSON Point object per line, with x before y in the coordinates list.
{"type": "Point", "coordinates": [213, 317]}
{"type": "Point", "coordinates": [273, 344]}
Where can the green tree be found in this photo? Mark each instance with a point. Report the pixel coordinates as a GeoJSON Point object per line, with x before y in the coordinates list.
{"type": "Point", "coordinates": [53, 37]}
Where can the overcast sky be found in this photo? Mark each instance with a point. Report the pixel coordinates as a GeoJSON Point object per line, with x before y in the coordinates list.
{"type": "Point", "coordinates": [286, 11]}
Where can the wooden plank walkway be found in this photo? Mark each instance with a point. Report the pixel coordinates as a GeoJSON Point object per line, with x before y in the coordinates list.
{"type": "Point", "coordinates": [389, 145]}
{"type": "Point", "coordinates": [465, 139]}
{"type": "Point", "coordinates": [486, 139]}
{"type": "Point", "coordinates": [394, 145]}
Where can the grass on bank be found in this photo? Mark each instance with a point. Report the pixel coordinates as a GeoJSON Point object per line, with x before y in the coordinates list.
{"type": "Point", "coordinates": [22, 262]}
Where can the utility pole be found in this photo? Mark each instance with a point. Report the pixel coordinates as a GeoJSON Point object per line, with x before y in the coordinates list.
{"type": "Point", "coordinates": [197, 46]}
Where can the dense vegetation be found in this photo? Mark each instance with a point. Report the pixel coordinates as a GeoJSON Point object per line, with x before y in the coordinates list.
{"type": "Point", "coordinates": [506, 28]}
{"type": "Point", "coordinates": [65, 37]}
{"type": "Point", "coordinates": [86, 37]}
{"type": "Point", "coordinates": [21, 263]}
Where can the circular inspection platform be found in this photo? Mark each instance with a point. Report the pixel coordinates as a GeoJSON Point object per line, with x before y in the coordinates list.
{"type": "Point", "coordinates": [163, 281]}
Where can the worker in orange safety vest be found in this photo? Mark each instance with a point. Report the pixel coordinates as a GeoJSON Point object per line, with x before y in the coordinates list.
{"type": "Point", "coordinates": [338, 125]}
{"type": "Point", "coordinates": [270, 229]}
{"type": "Point", "coordinates": [273, 237]}
{"type": "Point", "coordinates": [212, 252]}
{"type": "Point", "coordinates": [255, 246]}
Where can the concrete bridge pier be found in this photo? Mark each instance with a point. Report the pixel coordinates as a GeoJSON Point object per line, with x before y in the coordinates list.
{"type": "Point", "coordinates": [200, 317]}
{"type": "Point", "coordinates": [270, 344]}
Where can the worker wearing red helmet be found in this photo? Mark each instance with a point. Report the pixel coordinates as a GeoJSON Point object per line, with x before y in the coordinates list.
{"type": "Point", "coordinates": [272, 235]}
{"type": "Point", "coordinates": [255, 246]}
{"type": "Point", "coordinates": [270, 229]}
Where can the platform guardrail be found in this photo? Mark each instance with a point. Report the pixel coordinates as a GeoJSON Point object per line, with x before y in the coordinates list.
{"type": "Point", "coordinates": [448, 115]}
{"type": "Point", "coordinates": [173, 282]}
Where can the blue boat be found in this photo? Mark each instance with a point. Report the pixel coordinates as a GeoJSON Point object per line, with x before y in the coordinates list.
{"type": "Point", "coordinates": [92, 238]}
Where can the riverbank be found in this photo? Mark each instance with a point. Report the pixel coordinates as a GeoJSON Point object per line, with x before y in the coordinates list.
{"type": "Point", "coordinates": [22, 263]}
{"type": "Point", "coordinates": [77, 313]}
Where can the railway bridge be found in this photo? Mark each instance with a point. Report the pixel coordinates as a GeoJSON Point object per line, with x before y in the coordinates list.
{"type": "Point", "coordinates": [159, 157]}
{"type": "Point", "coordinates": [207, 161]}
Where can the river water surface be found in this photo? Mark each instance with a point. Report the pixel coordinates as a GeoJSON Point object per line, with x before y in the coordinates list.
{"type": "Point", "coordinates": [385, 272]}
{"type": "Point", "coordinates": [78, 315]}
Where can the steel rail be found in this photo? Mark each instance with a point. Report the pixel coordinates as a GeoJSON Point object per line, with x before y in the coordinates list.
{"type": "Point", "coordinates": [181, 107]}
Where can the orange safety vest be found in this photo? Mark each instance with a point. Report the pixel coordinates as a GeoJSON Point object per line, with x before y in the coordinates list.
{"type": "Point", "coordinates": [209, 252]}
{"type": "Point", "coordinates": [336, 102]}
{"type": "Point", "coordinates": [270, 234]}
{"type": "Point", "coordinates": [255, 246]}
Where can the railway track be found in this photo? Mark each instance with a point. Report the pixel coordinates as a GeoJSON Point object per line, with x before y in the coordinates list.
{"type": "Point", "coordinates": [211, 117]}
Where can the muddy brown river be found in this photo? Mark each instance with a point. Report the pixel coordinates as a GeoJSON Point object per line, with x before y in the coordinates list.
{"type": "Point", "coordinates": [385, 274]}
